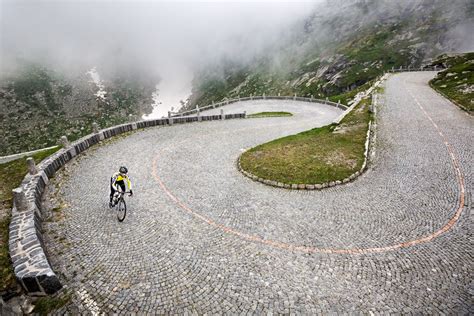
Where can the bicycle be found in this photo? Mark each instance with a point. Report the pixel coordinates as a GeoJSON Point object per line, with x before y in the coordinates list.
{"type": "Point", "coordinates": [120, 205]}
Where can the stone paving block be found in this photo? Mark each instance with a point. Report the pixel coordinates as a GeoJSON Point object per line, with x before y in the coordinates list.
{"type": "Point", "coordinates": [207, 240]}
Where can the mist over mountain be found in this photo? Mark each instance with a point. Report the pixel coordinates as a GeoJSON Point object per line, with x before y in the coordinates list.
{"type": "Point", "coordinates": [340, 46]}
{"type": "Point", "coordinates": [65, 64]}
{"type": "Point", "coordinates": [48, 49]}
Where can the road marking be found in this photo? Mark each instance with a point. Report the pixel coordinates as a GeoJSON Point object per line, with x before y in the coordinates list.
{"type": "Point", "coordinates": [310, 249]}
{"type": "Point", "coordinates": [88, 302]}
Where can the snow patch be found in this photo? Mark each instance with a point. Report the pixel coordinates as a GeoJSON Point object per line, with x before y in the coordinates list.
{"type": "Point", "coordinates": [95, 78]}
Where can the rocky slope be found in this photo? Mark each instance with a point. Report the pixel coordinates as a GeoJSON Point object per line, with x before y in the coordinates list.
{"type": "Point", "coordinates": [38, 105]}
{"type": "Point", "coordinates": [457, 81]}
{"type": "Point", "coordinates": [341, 46]}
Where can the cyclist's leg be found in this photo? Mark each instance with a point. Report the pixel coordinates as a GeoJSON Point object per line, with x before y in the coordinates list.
{"type": "Point", "coordinates": [112, 192]}
{"type": "Point", "coordinates": [122, 185]}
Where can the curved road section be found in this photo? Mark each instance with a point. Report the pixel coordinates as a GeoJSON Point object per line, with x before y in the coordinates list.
{"type": "Point", "coordinates": [202, 238]}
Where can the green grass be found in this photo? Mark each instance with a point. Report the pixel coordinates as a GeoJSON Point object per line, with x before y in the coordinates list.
{"type": "Point", "coordinates": [11, 175]}
{"type": "Point", "coordinates": [457, 82]}
{"type": "Point", "coordinates": [269, 114]}
{"type": "Point", "coordinates": [46, 305]}
{"type": "Point", "coordinates": [320, 155]}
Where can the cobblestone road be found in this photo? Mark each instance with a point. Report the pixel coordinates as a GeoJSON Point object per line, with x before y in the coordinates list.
{"type": "Point", "coordinates": [202, 238]}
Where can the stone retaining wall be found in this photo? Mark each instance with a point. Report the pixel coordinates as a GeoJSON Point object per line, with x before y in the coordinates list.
{"type": "Point", "coordinates": [28, 254]}
{"type": "Point", "coordinates": [260, 97]}
{"type": "Point", "coordinates": [401, 69]}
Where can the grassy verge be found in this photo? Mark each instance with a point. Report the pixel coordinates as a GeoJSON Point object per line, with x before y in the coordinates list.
{"type": "Point", "coordinates": [320, 155]}
{"type": "Point", "coordinates": [45, 305]}
{"type": "Point", "coordinates": [269, 114]}
{"type": "Point", "coordinates": [11, 175]}
{"type": "Point", "coordinates": [457, 82]}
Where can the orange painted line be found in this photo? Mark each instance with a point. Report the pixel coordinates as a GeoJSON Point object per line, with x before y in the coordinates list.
{"type": "Point", "coordinates": [309, 249]}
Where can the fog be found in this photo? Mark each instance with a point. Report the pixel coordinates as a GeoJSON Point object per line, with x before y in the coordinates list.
{"type": "Point", "coordinates": [160, 38]}
{"type": "Point", "coordinates": [167, 40]}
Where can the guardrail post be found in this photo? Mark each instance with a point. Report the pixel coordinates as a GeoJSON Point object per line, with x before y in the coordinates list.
{"type": "Point", "coordinates": [170, 119]}
{"type": "Point", "coordinates": [95, 127]}
{"type": "Point", "coordinates": [338, 103]}
{"type": "Point", "coordinates": [264, 96]}
{"type": "Point", "coordinates": [294, 97]}
{"type": "Point", "coordinates": [312, 97]}
{"type": "Point", "coordinates": [20, 200]}
{"type": "Point", "coordinates": [222, 114]}
{"type": "Point", "coordinates": [64, 141]}
{"type": "Point", "coordinates": [31, 166]}
{"type": "Point", "coordinates": [198, 113]}
{"type": "Point", "coordinates": [372, 104]}
{"type": "Point", "coordinates": [279, 94]}
{"type": "Point", "coordinates": [326, 102]}
{"type": "Point", "coordinates": [213, 106]}
{"type": "Point", "coordinates": [251, 96]}
{"type": "Point", "coordinates": [393, 68]}
{"type": "Point", "coordinates": [238, 97]}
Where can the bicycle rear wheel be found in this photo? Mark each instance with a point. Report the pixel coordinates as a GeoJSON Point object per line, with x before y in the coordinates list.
{"type": "Point", "coordinates": [121, 210]}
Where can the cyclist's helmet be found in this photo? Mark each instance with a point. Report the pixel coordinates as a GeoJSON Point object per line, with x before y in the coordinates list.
{"type": "Point", "coordinates": [123, 170]}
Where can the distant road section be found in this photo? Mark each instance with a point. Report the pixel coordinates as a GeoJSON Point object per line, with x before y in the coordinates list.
{"type": "Point", "coordinates": [202, 238]}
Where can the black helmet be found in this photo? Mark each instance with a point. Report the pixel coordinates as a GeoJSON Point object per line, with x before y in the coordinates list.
{"type": "Point", "coordinates": [123, 170]}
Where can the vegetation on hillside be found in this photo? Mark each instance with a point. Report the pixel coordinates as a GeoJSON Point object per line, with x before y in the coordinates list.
{"type": "Point", "coordinates": [39, 105]}
{"type": "Point", "coordinates": [457, 81]}
{"type": "Point", "coordinates": [308, 62]}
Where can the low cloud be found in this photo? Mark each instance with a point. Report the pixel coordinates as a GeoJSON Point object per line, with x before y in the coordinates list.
{"type": "Point", "coordinates": [155, 37]}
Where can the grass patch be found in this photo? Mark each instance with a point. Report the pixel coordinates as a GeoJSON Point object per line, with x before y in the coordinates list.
{"type": "Point", "coordinates": [46, 305]}
{"type": "Point", "coordinates": [269, 114]}
{"type": "Point", "coordinates": [11, 175]}
{"type": "Point", "coordinates": [7, 278]}
{"type": "Point", "coordinates": [457, 82]}
{"type": "Point", "coordinates": [13, 172]}
{"type": "Point", "coordinates": [320, 155]}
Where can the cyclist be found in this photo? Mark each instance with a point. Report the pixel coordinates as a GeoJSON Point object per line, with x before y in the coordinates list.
{"type": "Point", "coordinates": [117, 183]}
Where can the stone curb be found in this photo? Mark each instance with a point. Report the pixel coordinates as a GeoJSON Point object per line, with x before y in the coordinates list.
{"type": "Point", "coordinates": [369, 144]}
{"type": "Point", "coordinates": [471, 113]}
{"type": "Point", "coordinates": [27, 251]}
{"type": "Point", "coordinates": [369, 147]}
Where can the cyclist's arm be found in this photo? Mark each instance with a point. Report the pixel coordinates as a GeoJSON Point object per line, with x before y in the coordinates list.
{"type": "Point", "coordinates": [114, 182]}
{"type": "Point", "coordinates": [129, 184]}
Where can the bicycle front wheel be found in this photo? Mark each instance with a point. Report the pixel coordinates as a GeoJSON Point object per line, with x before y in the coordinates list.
{"type": "Point", "coordinates": [121, 210]}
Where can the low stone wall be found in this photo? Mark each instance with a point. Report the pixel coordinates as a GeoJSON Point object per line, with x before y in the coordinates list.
{"type": "Point", "coordinates": [260, 97]}
{"type": "Point", "coordinates": [359, 97]}
{"type": "Point", "coordinates": [28, 254]}
{"type": "Point", "coordinates": [8, 158]}
{"type": "Point", "coordinates": [405, 69]}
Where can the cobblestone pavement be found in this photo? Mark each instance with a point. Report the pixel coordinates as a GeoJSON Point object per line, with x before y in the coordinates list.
{"type": "Point", "coordinates": [202, 238]}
